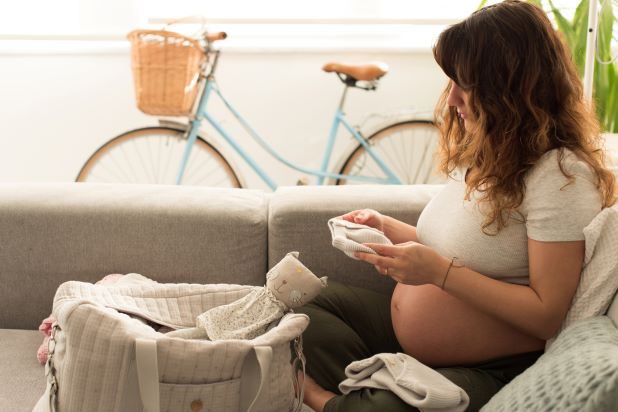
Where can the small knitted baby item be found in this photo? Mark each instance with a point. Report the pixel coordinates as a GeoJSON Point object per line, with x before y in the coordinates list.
{"type": "Point", "coordinates": [414, 383]}
{"type": "Point", "coordinates": [289, 284]}
{"type": "Point", "coordinates": [349, 237]}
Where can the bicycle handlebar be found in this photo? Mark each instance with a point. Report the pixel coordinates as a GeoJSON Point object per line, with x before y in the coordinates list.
{"type": "Point", "coordinates": [212, 37]}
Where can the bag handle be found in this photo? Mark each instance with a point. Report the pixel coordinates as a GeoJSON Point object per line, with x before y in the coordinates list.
{"type": "Point", "coordinates": [147, 373]}
{"type": "Point", "coordinates": [254, 374]}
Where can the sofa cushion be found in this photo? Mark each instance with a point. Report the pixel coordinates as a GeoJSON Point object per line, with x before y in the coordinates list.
{"type": "Point", "coordinates": [298, 219]}
{"type": "Point", "coordinates": [579, 372]}
{"type": "Point", "coordinates": [22, 378]}
{"type": "Point", "coordinates": [52, 233]}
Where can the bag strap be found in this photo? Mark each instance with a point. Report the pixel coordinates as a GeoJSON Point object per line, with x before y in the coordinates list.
{"type": "Point", "coordinates": [147, 373]}
{"type": "Point", "coordinates": [254, 373]}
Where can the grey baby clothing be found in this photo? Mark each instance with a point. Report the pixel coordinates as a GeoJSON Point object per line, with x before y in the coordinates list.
{"type": "Point", "coordinates": [416, 384]}
{"type": "Point", "coordinates": [349, 237]}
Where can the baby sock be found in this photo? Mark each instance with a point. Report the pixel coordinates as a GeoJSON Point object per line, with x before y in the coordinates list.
{"type": "Point", "coordinates": [349, 237]}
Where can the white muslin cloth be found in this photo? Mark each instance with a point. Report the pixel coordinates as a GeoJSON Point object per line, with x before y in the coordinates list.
{"type": "Point", "coordinates": [349, 237]}
{"type": "Point", "coordinates": [416, 384]}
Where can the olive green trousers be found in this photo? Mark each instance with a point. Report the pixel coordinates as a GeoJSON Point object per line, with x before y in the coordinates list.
{"type": "Point", "coordinates": [350, 324]}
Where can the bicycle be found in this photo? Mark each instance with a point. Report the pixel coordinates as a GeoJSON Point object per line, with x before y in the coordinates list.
{"type": "Point", "coordinates": [397, 153]}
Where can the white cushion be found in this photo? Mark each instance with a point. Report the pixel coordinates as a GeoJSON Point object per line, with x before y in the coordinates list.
{"type": "Point", "coordinates": [578, 373]}
{"type": "Point", "coordinates": [599, 279]}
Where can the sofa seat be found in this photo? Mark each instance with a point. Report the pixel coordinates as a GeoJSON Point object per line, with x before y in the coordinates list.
{"type": "Point", "coordinates": [21, 375]}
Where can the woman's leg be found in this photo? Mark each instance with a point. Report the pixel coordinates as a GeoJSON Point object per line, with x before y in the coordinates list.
{"type": "Point", "coordinates": [483, 381]}
{"type": "Point", "coordinates": [480, 382]}
{"type": "Point", "coordinates": [347, 324]}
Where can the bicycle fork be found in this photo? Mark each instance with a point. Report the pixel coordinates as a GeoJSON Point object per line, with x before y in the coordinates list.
{"type": "Point", "coordinates": [194, 126]}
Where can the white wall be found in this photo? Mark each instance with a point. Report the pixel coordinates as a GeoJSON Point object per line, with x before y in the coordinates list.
{"type": "Point", "coordinates": [57, 108]}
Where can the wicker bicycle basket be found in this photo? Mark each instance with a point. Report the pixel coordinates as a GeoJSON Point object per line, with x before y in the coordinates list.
{"type": "Point", "coordinates": [166, 67]}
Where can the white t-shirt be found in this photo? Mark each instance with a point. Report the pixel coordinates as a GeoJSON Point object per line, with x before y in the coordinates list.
{"type": "Point", "coordinates": [552, 211]}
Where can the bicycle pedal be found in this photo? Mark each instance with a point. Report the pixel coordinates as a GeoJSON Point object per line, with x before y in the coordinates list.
{"type": "Point", "coordinates": [302, 181]}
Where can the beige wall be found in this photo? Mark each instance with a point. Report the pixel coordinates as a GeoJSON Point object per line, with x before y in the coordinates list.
{"type": "Point", "coordinates": [57, 108]}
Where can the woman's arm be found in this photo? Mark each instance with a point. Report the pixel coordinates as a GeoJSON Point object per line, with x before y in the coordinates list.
{"type": "Point", "coordinates": [398, 231]}
{"type": "Point", "coordinates": [537, 310]}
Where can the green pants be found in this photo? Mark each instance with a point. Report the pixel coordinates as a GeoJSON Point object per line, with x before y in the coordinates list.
{"type": "Point", "coordinates": [350, 324]}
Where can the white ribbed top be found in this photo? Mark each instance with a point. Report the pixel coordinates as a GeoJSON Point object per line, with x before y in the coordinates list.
{"type": "Point", "coordinates": [552, 212]}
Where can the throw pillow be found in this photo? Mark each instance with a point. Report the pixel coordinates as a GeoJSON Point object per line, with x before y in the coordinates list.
{"type": "Point", "coordinates": [599, 278]}
{"type": "Point", "coordinates": [579, 372]}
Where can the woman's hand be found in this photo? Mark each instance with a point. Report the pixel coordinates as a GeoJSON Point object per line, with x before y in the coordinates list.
{"type": "Point", "coordinates": [368, 217]}
{"type": "Point", "coordinates": [410, 263]}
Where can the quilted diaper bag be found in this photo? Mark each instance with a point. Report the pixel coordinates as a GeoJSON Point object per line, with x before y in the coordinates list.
{"type": "Point", "coordinates": [106, 353]}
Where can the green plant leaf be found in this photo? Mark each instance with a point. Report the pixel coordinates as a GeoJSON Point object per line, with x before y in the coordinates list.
{"type": "Point", "coordinates": [537, 3]}
{"type": "Point", "coordinates": [561, 21]}
{"type": "Point", "coordinates": [581, 13]}
{"type": "Point", "coordinates": [606, 83]}
{"type": "Point", "coordinates": [605, 27]}
{"type": "Point", "coordinates": [564, 26]}
{"type": "Point", "coordinates": [610, 119]}
{"type": "Point", "coordinates": [580, 38]}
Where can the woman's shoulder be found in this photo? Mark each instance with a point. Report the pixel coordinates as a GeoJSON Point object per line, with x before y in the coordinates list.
{"type": "Point", "coordinates": [550, 166]}
{"type": "Point", "coordinates": [558, 207]}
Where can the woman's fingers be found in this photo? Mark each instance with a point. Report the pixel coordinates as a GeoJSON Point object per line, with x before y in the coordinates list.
{"type": "Point", "coordinates": [361, 217]}
{"type": "Point", "coordinates": [353, 217]}
{"type": "Point", "coordinates": [376, 260]}
{"type": "Point", "coordinates": [384, 250]}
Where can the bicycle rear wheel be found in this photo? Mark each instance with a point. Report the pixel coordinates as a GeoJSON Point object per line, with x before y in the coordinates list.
{"type": "Point", "coordinates": [408, 148]}
{"type": "Point", "coordinates": [153, 155]}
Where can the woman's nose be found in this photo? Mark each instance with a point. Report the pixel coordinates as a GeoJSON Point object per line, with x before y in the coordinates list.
{"type": "Point", "coordinates": [454, 96]}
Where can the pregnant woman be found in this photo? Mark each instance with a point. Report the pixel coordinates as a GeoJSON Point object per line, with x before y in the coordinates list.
{"type": "Point", "coordinates": [488, 273]}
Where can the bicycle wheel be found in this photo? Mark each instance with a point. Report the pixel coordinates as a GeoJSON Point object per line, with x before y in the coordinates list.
{"type": "Point", "coordinates": [408, 148]}
{"type": "Point", "coordinates": [153, 155]}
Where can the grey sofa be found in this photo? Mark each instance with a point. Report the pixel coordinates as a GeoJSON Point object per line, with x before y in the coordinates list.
{"type": "Point", "coordinates": [52, 233]}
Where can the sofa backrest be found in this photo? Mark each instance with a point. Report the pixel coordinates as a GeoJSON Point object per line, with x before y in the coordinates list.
{"type": "Point", "coordinates": [52, 233]}
{"type": "Point", "coordinates": [298, 219]}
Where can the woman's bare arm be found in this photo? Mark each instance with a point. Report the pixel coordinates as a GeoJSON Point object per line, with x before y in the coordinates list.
{"type": "Point", "coordinates": [398, 231]}
{"type": "Point", "coordinates": [537, 309]}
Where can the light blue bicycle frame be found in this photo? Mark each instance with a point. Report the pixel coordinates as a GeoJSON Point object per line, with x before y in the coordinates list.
{"type": "Point", "coordinates": [322, 173]}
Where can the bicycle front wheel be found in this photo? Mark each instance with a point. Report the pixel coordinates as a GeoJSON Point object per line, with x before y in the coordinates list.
{"type": "Point", "coordinates": [153, 155]}
{"type": "Point", "coordinates": [407, 148]}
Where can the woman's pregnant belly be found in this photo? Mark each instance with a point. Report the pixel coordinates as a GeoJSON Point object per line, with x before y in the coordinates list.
{"type": "Point", "coordinates": [441, 330]}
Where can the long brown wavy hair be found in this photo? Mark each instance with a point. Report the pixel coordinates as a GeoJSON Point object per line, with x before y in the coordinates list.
{"type": "Point", "coordinates": [526, 98]}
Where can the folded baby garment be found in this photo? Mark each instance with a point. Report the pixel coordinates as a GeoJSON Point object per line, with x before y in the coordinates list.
{"type": "Point", "coordinates": [416, 384]}
{"type": "Point", "coordinates": [349, 237]}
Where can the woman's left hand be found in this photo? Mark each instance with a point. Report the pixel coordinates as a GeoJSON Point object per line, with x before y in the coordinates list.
{"type": "Point", "coordinates": [411, 263]}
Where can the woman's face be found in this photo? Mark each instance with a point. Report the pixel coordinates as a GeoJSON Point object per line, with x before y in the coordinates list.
{"type": "Point", "coordinates": [460, 99]}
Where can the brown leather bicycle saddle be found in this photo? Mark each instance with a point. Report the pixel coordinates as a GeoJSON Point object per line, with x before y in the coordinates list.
{"type": "Point", "coordinates": [367, 72]}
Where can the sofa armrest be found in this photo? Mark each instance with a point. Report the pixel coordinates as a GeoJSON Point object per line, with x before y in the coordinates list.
{"type": "Point", "coordinates": [298, 221]}
{"type": "Point", "coordinates": [52, 233]}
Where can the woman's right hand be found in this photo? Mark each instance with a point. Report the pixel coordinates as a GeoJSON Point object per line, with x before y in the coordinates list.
{"type": "Point", "coordinates": [368, 217]}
